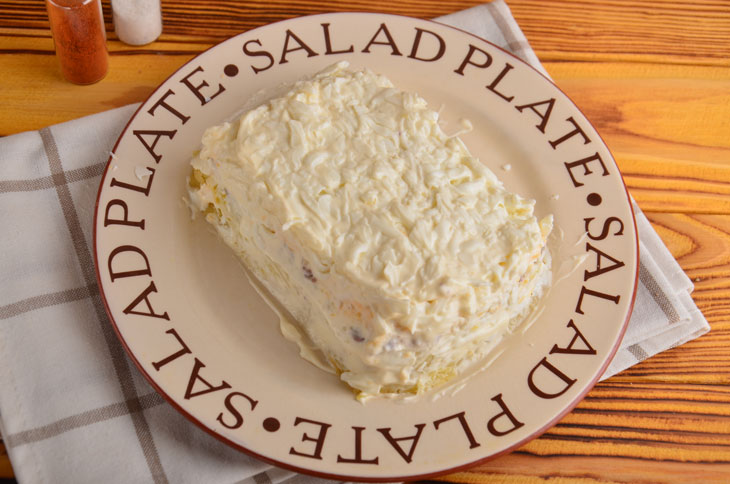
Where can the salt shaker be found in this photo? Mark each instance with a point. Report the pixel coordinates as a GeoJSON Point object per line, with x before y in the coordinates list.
{"type": "Point", "coordinates": [80, 39]}
{"type": "Point", "coordinates": [137, 22]}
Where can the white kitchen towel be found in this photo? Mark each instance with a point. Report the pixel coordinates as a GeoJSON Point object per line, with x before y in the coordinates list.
{"type": "Point", "coordinates": [73, 409]}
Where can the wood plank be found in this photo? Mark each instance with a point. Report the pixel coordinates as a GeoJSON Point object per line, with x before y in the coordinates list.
{"type": "Point", "coordinates": [215, 21]}
{"type": "Point", "coordinates": [523, 468]}
{"type": "Point", "coordinates": [546, 24]}
{"type": "Point", "coordinates": [6, 469]}
{"type": "Point", "coordinates": [701, 244]}
{"type": "Point", "coordinates": [668, 31]}
{"type": "Point", "coordinates": [694, 32]}
{"type": "Point", "coordinates": [666, 125]}
{"type": "Point", "coordinates": [658, 432]}
{"type": "Point", "coordinates": [37, 85]}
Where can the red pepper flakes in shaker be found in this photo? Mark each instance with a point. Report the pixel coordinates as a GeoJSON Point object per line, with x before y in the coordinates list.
{"type": "Point", "coordinates": [80, 39]}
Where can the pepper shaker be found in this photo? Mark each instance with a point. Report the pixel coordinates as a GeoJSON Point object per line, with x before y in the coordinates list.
{"type": "Point", "coordinates": [79, 38]}
{"type": "Point", "coordinates": [137, 22]}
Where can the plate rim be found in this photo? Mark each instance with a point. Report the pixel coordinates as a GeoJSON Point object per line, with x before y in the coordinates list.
{"type": "Point", "coordinates": [170, 400]}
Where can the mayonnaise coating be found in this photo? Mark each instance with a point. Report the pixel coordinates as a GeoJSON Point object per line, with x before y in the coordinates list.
{"type": "Point", "coordinates": [402, 257]}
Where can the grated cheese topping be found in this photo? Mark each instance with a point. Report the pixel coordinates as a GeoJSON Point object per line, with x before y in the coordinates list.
{"type": "Point", "coordinates": [402, 256]}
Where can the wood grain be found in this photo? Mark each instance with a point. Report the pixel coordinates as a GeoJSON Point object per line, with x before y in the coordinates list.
{"type": "Point", "coordinates": [652, 76]}
{"type": "Point", "coordinates": [6, 469]}
{"type": "Point", "coordinates": [658, 432]}
{"type": "Point", "coordinates": [655, 120]}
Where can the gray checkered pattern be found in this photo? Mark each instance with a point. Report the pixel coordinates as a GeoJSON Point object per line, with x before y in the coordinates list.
{"type": "Point", "coordinates": [74, 408]}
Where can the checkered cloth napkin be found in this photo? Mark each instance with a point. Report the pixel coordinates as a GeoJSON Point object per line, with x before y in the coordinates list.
{"type": "Point", "coordinates": [72, 406]}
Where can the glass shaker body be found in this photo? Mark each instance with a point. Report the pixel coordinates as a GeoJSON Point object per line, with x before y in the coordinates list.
{"type": "Point", "coordinates": [80, 39]}
{"type": "Point", "coordinates": [137, 22]}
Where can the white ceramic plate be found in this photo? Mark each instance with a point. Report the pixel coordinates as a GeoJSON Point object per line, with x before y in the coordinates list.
{"type": "Point", "coordinates": [185, 311]}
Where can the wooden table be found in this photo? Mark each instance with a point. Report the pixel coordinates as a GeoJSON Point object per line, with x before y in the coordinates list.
{"type": "Point", "coordinates": [653, 77]}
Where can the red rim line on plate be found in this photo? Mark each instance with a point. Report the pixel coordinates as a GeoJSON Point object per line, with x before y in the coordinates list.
{"type": "Point", "coordinates": [569, 407]}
